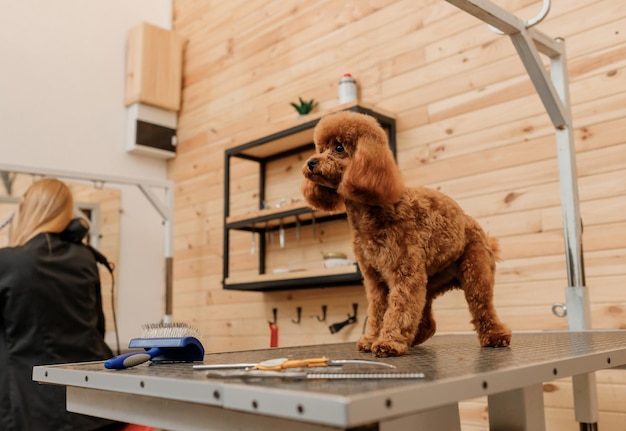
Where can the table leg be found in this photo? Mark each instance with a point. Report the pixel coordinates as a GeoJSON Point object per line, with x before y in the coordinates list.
{"type": "Point", "coordinates": [444, 418]}
{"type": "Point", "coordinates": [586, 401]}
{"type": "Point", "coordinates": [517, 410]}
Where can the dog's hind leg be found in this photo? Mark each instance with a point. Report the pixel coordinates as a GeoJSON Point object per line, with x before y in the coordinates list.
{"type": "Point", "coordinates": [477, 269]}
{"type": "Point", "coordinates": [376, 291]}
{"type": "Point", "coordinates": [427, 325]}
{"type": "Point", "coordinates": [405, 303]}
{"type": "Point", "coordinates": [439, 283]}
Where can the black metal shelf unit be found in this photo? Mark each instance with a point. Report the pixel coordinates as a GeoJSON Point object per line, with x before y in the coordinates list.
{"type": "Point", "coordinates": [278, 145]}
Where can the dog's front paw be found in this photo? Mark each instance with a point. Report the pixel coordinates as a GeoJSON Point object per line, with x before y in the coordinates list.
{"type": "Point", "coordinates": [497, 337]}
{"type": "Point", "coordinates": [385, 348]}
{"type": "Point", "coordinates": [365, 343]}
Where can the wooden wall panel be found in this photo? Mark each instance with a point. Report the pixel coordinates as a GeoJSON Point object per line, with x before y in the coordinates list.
{"type": "Point", "coordinates": [469, 123]}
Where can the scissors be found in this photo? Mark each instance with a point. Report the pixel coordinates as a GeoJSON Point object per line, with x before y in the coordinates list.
{"type": "Point", "coordinates": [278, 364]}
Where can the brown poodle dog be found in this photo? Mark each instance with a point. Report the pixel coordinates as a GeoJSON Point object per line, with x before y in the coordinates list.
{"type": "Point", "coordinates": [412, 244]}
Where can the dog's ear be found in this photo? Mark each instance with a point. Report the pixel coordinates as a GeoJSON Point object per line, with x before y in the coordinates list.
{"type": "Point", "coordinates": [322, 198]}
{"type": "Point", "coordinates": [372, 176]}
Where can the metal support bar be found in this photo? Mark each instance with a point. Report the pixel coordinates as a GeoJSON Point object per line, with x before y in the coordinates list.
{"type": "Point", "coordinates": [536, 71]}
{"type": "Point", "coordinates": [506, 22]}
{"type": "Point", "coordinates": [554, 93]}
{"type": "Point", "coordinates": [97, 178]}
{"type": "Point", "coordinates": [226, 240]}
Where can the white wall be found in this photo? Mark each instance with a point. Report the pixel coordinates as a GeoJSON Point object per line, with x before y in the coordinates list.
{"type": "Point", "coordinates": [62, 69]}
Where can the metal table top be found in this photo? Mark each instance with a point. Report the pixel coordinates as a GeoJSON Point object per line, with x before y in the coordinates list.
{"type": "Point", "coordinates": [455, 368]}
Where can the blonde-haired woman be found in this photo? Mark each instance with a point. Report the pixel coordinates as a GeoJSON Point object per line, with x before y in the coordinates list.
{"type": "Point", "coordinates": [50, 312]}
{"type": "Point", "coordinates": [47, 206]}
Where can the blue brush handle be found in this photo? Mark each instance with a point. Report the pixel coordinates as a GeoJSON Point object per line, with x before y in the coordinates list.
{"type": "Point", "coordinates": [131, 359]}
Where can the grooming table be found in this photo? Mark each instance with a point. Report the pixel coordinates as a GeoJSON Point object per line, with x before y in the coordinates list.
{"type": "Point", "coordinates": [177, 397]}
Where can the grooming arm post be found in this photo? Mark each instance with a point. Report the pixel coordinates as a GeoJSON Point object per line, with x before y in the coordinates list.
{"type": "Point", "coordinates": [554, 94]}
{"type": "Point", "coordinates": [577, 293]}
{"type": "Point", "coordinates": [167, 213]}
{"type": "Point", "coordinates": [578, 311]}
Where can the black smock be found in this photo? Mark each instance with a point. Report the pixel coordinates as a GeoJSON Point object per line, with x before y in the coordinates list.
{"type": "Point", "coordinates": [50, 313]}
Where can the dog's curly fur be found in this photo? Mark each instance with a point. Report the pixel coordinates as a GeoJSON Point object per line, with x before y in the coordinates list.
{"type": "Point", "coordinates": [412, 244]}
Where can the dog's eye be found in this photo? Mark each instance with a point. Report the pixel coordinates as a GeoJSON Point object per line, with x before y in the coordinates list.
{"type": "Point", "coordinates": [339, 148]}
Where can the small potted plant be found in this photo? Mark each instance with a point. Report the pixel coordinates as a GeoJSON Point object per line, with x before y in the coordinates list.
{"type": "Point", "coordinates": [304, 107]}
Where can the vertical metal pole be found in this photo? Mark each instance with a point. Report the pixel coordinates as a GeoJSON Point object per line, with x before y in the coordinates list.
{"type": "Point", "coordinates": [262, 241]}
{"type": "Point", "coordinates": [578, 311]}
{"type": "Point", "coordinates": [226, 242]}
{"type": "Point", "coordinates": [577, 293]}
{"type": "Point", "coordinates": [169, 254]}
{"type": "Point", "coordinates": [554, 93]}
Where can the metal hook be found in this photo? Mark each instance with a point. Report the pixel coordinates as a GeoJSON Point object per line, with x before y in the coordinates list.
{"type": "Point", "coordinates": [559, 310]}
{"type": "Point", "coordinates": [323, 318]}
{"type": "Point", "coordinates": [98, 185]}
{"type": "Point", "coordinates": [299, 310]}
{"type": "Point", "coordinates": [274, 312]}
{"type": "Point", "coordinates": [355, 307]}
{"type": "Point", "coordinates": [545, 8]}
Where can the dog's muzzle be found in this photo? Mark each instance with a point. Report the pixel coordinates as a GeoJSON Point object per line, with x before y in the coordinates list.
{"type": "Point", "coordinates": [312, 163]}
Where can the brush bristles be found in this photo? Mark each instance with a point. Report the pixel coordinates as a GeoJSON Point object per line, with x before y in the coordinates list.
{"type": "Point", "coordinates": [169, 330]}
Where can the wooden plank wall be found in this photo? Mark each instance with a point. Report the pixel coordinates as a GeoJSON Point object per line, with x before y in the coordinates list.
{"type": "Point", "coordinates": [469, 123]}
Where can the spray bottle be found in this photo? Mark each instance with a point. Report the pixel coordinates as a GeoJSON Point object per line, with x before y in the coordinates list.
{"type": "Point", "coordinates": [347, 89]}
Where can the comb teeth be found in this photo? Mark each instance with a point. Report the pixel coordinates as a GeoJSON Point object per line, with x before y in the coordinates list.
{"type": "Point", "coordinates": [169, 330]}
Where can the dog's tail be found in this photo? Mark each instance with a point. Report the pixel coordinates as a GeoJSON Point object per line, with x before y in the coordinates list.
{"type": "Point", "coordinates": [494, 245]}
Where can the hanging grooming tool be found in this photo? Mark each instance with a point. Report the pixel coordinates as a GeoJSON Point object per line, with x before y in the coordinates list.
{"type": "Point", "coordinates": [336, 327]}
{"type": "Point", "coordinates": [303, 375]}
{"type": "Point", "coordinates": [297, 228]}
{"type": "Point", "coordinates": [162, 342]}
{"type": "Point", "coordinates": [269, 235]}
{"type": "Point", "coordinates": [281, 234]}
{"type": "Point", "coordinates": [284, 363]}
{"type": "Point", "coordinates": [274, 329]}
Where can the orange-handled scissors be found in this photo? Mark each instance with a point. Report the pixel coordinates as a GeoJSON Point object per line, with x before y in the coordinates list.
{"type": "Point", "coordinates": [278, 364]}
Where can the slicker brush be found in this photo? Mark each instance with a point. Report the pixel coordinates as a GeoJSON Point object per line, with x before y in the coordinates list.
{"type": "Point", "coordinates": [162, 342]}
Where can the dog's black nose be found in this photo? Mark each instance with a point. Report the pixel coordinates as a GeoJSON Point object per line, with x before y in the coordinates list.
{"type": "Point", "coordinates": [311, 164]}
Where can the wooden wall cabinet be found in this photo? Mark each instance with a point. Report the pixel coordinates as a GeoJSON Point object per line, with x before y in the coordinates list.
{"type": "Point", "coordinates": [154, 61]}
{"type": "Point", "coordinates": [271, 148]}
{"type": "Point", "coordinates": [154, 67]}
